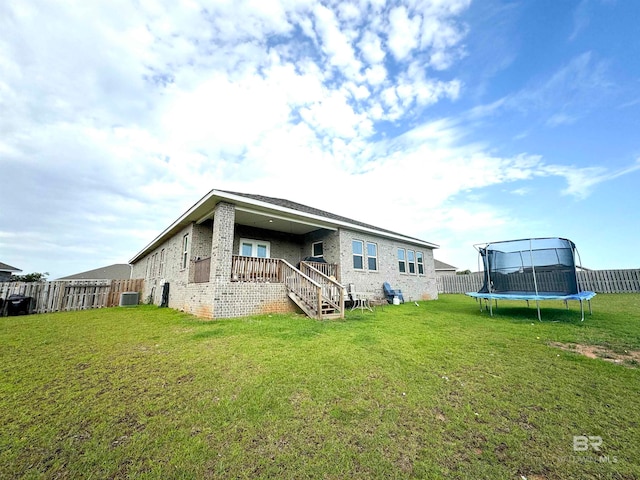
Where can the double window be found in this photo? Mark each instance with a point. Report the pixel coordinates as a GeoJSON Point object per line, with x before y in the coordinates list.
{"type": "Point", "coordinates": [358, 247]}
{"type": "Point", "coordinates": [254, 248]}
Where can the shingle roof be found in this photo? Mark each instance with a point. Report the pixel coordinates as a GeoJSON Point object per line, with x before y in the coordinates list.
{"type": "Point", "coordinates": [117, 271]}
{"type": "Point", "coordinates": [8, 268]}
{"type": "Point", "coordinates": [443, 266]}
{"type": "Point", "coordinates": [281, 202]}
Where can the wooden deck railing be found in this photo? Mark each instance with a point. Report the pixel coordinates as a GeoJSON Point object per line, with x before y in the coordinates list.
{"type": "Point", "coordinates": [328, 269]}
{"type": "Point", "coordinates": [202, 270]}
{"type": "Point", "coordinates": [251, 269]}
{"type": "Point", "coordinates": [332, 291]}
{"type": "Point", "coordinates": [319, 295]}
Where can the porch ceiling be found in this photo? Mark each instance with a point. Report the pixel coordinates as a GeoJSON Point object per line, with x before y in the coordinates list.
{"type": "Point", "coordinates": [269, 221]}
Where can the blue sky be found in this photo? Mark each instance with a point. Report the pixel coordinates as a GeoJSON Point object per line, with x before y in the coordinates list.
{"type": "Point", "coordinates": [458, 122]}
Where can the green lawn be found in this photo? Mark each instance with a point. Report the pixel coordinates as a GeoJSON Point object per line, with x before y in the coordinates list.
{"type": "Point", "coordinates": [431, 391]}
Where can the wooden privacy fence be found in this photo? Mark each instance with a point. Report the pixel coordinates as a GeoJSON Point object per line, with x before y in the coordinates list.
{"type": "Point", "coordinates": [63, 295]}
{"type": "Point", "coordinates": [599, 281]}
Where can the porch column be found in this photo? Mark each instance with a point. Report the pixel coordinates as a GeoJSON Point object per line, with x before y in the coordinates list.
{"type": "Point", "coordinates": [224, 217]}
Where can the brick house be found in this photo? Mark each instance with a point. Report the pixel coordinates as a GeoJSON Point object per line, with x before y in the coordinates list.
{"type": "Point", "coordinates": [234, 254]}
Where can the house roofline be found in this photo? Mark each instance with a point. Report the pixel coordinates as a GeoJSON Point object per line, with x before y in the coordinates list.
{"type": "Point", "coordinates": [211, 199]}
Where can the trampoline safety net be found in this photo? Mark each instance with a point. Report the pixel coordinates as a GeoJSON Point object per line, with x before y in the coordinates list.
{"type": "Point", "coordinates": [537, 265]}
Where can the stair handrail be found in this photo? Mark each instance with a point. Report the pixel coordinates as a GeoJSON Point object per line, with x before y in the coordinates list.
{"type": "Point", "coordinates": [310, 294]}
{"type": "Point", "coordinates": [327, 290]}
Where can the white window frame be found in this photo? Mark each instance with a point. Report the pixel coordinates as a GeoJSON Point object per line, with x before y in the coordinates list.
{"type": "Point", "coordinates": [374, 257]}
{"type": "Point", "coordinates": [154, 265]}
{"type": "Point", "coordinates": [403, 260]}
{"type": "Point", "coordinates": [161, 267]}
{"type": "Point", "coordinates": [420, 263]}
{"type": "Point", "coordinates": [410, 263]}
{"type": "Point", "coordinates": [254, 247]}
{"type": "Point", "coordinates": [185, 251]}
{"type": "Point", "coordinates": [354, 254]}
{"type": "Point", "coordinates": [313, 246]}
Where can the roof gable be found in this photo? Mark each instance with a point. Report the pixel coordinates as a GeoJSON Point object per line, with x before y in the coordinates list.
{"type": "Point", "coordinates": [8, 268]}
{"type": "Point", "coordinates": [443, 266]}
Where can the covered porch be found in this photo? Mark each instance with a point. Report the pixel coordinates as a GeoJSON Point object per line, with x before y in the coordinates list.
{"type": "Point", "coordinates": [252, 247]}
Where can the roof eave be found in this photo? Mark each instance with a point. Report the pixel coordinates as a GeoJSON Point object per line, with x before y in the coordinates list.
{"type": "Point", "coordinates": [204, 206]}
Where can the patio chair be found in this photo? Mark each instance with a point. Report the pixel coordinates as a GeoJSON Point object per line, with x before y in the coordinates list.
{"type": "Point", "coordinates": [390, 293]}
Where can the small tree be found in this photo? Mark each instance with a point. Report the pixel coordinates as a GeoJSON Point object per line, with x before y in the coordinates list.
{"type": "Point", "coordinates": [30, 277]}
{"type": "Point", "coordinates": [463, 272]}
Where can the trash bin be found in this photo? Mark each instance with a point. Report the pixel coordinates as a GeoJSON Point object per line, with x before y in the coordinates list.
{"type": "Point", "coordinates": [19, 305]}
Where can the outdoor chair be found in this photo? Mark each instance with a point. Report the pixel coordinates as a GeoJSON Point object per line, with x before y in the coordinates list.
{"type": "Point", "coordinates": [390, 293]}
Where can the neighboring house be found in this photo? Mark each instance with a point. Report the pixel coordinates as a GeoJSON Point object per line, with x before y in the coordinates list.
{"type": "Point", "coordinates": [444, 268]}
{"type": "Point", "coordinates": [6, 271]}
{"type": "Point", "coordinates": [117, 271]}
{"type": "Point", "coordinates": [235, 254]}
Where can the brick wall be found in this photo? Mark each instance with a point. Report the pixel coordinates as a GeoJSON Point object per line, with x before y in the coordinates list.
{"type": "Point", "coordinates": [238, 299]}
{"type": "Point", "coordinates": [283, 245]}
{"type": "Point", "coordinates": [172, 270]}
{"type": "Point", "coordinates": [413, 286]}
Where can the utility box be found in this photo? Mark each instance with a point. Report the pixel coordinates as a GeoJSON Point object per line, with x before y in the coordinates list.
{"type": "Point", "coordinates": [128, 299]}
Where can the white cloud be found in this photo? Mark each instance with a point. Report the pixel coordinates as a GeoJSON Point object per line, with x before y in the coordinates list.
{"type": "Point", "coordinates": [371, 47]}
{"type": "Point", "coordinates": [403, 32]}
{"type": "Point", "coordinates": [134, 109]}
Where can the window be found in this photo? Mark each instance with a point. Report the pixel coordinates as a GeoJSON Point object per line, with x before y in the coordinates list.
{"type": "Point", "coordinates": [254, 248]}
{"type": "Point", "coordinates": [317, 249]}
{"type": "Point", "coordinates": [358, 254]}
{"type": "Point", "coordinates": [185, 251]}
{"type": "Point", "coordinates": [161, 268]}
{"type": "Point", "coordinates": [402, 263]}
{"type": "Point", "coordinates": [372, 256]}
{"type": "Point", "coordinates": [411, 260]}
{"type": "Point", "coordinates": [420, 259]}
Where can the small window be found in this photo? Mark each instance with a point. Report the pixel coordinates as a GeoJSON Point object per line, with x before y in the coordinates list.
{"type": "Point", "coordinates": [161, 269]}
{"type": "Point", "coordinates": [254, 248]}
{"type": "Point", "coordinates": [185, 251]}
{"type": "Point", "coordinates": [411, 260]}
{"type": "Point", "coordinates": [358, 254]}
{"type": "Point", "coordinates": [402, 262]}
{"type": "Point", "coordinates": [372, 256]}
{"type": "Point", "coordinates": [420, 259]}
{"type": "Point", "coordinates": [317, 249]}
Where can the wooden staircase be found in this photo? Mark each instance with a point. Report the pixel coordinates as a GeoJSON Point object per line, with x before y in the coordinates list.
{"type": "Point", "coordinates": [318, 295]}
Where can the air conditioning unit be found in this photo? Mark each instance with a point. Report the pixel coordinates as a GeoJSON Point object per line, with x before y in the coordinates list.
{"type": "Point", "coordinates": [128, 299]}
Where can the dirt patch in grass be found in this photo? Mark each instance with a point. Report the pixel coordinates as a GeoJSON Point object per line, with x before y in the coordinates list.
{"type": "Point", "coordinates": [629, 358]}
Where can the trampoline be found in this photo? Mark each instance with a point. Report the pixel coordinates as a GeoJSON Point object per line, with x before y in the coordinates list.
{"type": "Point", "coordinates": [533, 269]}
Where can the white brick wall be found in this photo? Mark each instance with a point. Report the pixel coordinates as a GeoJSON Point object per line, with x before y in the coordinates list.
{"type": "Point", "coordinates": [221, 298]}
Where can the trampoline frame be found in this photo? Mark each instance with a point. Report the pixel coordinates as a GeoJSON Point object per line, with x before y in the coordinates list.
{"type": "Point", "coordinates": [581, 296]}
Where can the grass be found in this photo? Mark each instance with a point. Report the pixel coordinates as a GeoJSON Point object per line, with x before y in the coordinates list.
{"type": "Point", "coordinates": [435, 391]}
